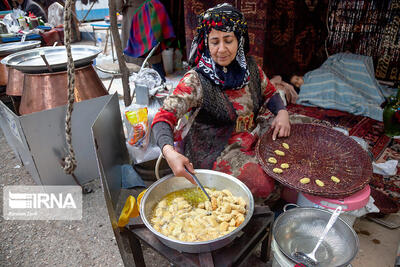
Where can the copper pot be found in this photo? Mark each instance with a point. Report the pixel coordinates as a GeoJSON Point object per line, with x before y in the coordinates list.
{"type": "Point", "coordinates": [49, 90]}
{"type": "Point", "coordinates": [15, 82]}
{"type": "Point", "coordinates": [3, 73]}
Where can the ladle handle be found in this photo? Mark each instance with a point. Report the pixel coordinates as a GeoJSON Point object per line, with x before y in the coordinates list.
{"type": "Point", "coordinates": [198, 183]}
{"type": "Point", "coordinates": [43, 56]}
{"type": "Point", "coordinates": [328, 227]}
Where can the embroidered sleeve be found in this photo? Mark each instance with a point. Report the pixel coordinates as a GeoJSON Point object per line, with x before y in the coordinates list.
{"type": "Point", "coordinates": [267, 88]}
{"type": "Point", "coordinates": [269, 93]}
{"type": "Point", "coordinates": [187, 95]}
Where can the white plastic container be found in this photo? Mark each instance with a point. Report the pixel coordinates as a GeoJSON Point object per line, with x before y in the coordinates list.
{"type": "Point", "coordinates": [168, 60]}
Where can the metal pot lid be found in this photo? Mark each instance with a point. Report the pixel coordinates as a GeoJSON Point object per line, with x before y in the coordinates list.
{"type": "Point", "coordinates": [9, 48]}
{"type": "Point", "coordinates": [30, 61]}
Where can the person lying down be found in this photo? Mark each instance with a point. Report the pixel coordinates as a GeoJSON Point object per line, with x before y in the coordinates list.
{"type": "Point", "coordinates": [344, 82]}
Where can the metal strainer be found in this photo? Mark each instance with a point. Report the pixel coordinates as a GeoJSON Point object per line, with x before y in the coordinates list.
{"type": "Point", "coordinates": [299, 230]}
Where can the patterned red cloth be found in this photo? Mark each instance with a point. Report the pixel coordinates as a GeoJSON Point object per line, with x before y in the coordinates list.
{"type": "Point", "coordinates": [238, 157]}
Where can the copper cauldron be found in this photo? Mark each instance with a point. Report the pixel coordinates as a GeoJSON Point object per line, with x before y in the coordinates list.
{"type": "Point", "coordinates": [15, 82]}
{"type": "Point", "coordinates": [49, 90]}
{"type": "Point", "coordinates": [3, 73]}
{"type": "Point", "coordinates": [7, 49]}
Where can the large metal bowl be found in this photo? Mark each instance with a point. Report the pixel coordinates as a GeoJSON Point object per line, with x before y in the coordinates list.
{"type": "Point", "coordinates": [208, 178]}
{"type": "Point", "coordinates": [299, 230]}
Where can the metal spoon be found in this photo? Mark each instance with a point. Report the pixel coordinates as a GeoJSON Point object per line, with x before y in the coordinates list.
{"type": "Point", "coordinates": [198, 183]}
{"type": "Point", "coordinates": [309, 259]}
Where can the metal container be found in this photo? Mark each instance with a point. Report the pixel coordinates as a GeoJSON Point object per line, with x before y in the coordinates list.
{"type": "Point", "coordinates": [31, 61]}
{"type": "Point", "coordinates": [15, 82]}
{"type": "Point", "coordinates": [8, 49]}
{"type": "Point", "coordinates": [3, 73]}
{"type": "Point", "coordinates": [49, 90]}
{"type": "Point", "coordinates": [208, 178]}
{"type": "Point", "coordinates": [299, 230]}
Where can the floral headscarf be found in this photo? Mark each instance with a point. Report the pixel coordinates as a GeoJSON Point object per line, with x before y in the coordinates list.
{"type": "Point", "coordinates": [223, 17]}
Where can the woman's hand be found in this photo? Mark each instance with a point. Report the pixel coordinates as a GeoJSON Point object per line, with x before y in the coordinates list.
{"type": "Point", "coordinates": [177, 162]}
{"type": "Point", "coordinates": [281, 124]}
{"type": "Point", "coordinates": [291, 94]}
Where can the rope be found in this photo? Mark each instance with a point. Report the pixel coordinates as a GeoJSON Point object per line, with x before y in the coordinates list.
{"type": "Point", "coordinates": [69, 163]}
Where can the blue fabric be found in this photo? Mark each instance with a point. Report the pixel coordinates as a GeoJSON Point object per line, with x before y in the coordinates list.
{"type": "Point", "coordinates": [344, 82]}
{"type": "Point", "coordinates": [130, 178]}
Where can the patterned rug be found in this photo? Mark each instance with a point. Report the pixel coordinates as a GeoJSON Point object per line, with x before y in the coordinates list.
{"type": "Point", "coordinates": [390, 186]}
{"type": "Point", "coordinates": [370, 28]}
{"type": "Point", "coordinates": [382, 147]}
{"type": "Point", "coordinates": [286, 36]}
{"type": "Point", "coordinates": [368, 129]}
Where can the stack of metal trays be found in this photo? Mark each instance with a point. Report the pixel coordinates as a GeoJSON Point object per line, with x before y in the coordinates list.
{"type": "Point", "coordinates": [10, 48]}
{"type": "Point", "coordinates": [31, 61]}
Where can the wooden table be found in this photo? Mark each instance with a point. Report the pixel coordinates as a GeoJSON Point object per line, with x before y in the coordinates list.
{"type": "Point", "coordinates": [257, 231]}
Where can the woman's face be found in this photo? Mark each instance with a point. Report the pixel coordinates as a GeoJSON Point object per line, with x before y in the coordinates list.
{"type": "Point", "coordinates": [297, 80]}
{"type": "Point", "coordinates": [223, 46]}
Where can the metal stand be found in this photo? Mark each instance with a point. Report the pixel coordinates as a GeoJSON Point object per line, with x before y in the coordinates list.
{"type": "Point", "coordinates": [257, 231]}
{"type": "Point", "coordinates": [104, 26]}
{"type": "Point", "coordinates": [111, 154]}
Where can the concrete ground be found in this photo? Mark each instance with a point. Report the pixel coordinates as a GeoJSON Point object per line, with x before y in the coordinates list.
{"type": "Point", "coordinates": [90, 242]}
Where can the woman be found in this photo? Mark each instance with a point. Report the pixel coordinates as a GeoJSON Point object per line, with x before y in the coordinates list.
{"type": "Point", "coordinates": [226, 90]}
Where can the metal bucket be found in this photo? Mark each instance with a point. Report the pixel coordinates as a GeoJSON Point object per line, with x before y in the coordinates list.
{"type": "Point", "coordinates": [299, 230]}
{"type": "Point", "coordinates": [208, 178]}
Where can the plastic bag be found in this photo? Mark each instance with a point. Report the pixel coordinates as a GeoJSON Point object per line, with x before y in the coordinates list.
{"type": "Point", "coordinates": [148, 77]}
{"type": "Point", "coordinates": [55, 15]}
{"type": "Point", "coordinates": [136, 118]}
{"type": "Point", "coordinates": [140, 143]}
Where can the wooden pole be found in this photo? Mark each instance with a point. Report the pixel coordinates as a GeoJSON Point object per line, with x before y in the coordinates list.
{"type": "Point", "coordinates": [118, 47]}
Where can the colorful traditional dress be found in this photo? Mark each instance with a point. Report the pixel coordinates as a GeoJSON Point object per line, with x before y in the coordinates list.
{"type": "Point", "coordinates": [238, 155]}
{"type": "Point", "coordinates": [225, 101]}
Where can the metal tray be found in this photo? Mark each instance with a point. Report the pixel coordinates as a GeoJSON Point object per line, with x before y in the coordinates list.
{"type": "Point", "coordinates": [30, 61]}
{"type": "Point", "coordinates": [10, 48]}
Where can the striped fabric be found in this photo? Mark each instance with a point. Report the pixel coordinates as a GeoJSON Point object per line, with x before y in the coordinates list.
{"type": "Point", "coordinates": [150, 25]}
{"type": "Point", "coordinates": [344, 82]}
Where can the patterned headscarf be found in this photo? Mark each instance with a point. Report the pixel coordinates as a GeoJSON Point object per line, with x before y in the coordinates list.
{"type": "Point", "coordinates": [223, 17]}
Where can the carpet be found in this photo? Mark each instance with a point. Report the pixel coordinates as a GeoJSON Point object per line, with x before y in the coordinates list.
{"type": "Point", "coordinates": [286, 36]}
{"type": "Point", "coordinates": [370, 28]}
{"type": "Point", "coordinates": [368, 129]}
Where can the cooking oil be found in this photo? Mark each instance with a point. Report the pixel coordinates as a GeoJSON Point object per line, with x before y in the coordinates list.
{"type": "Point", "coordinates": [192, 195]}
